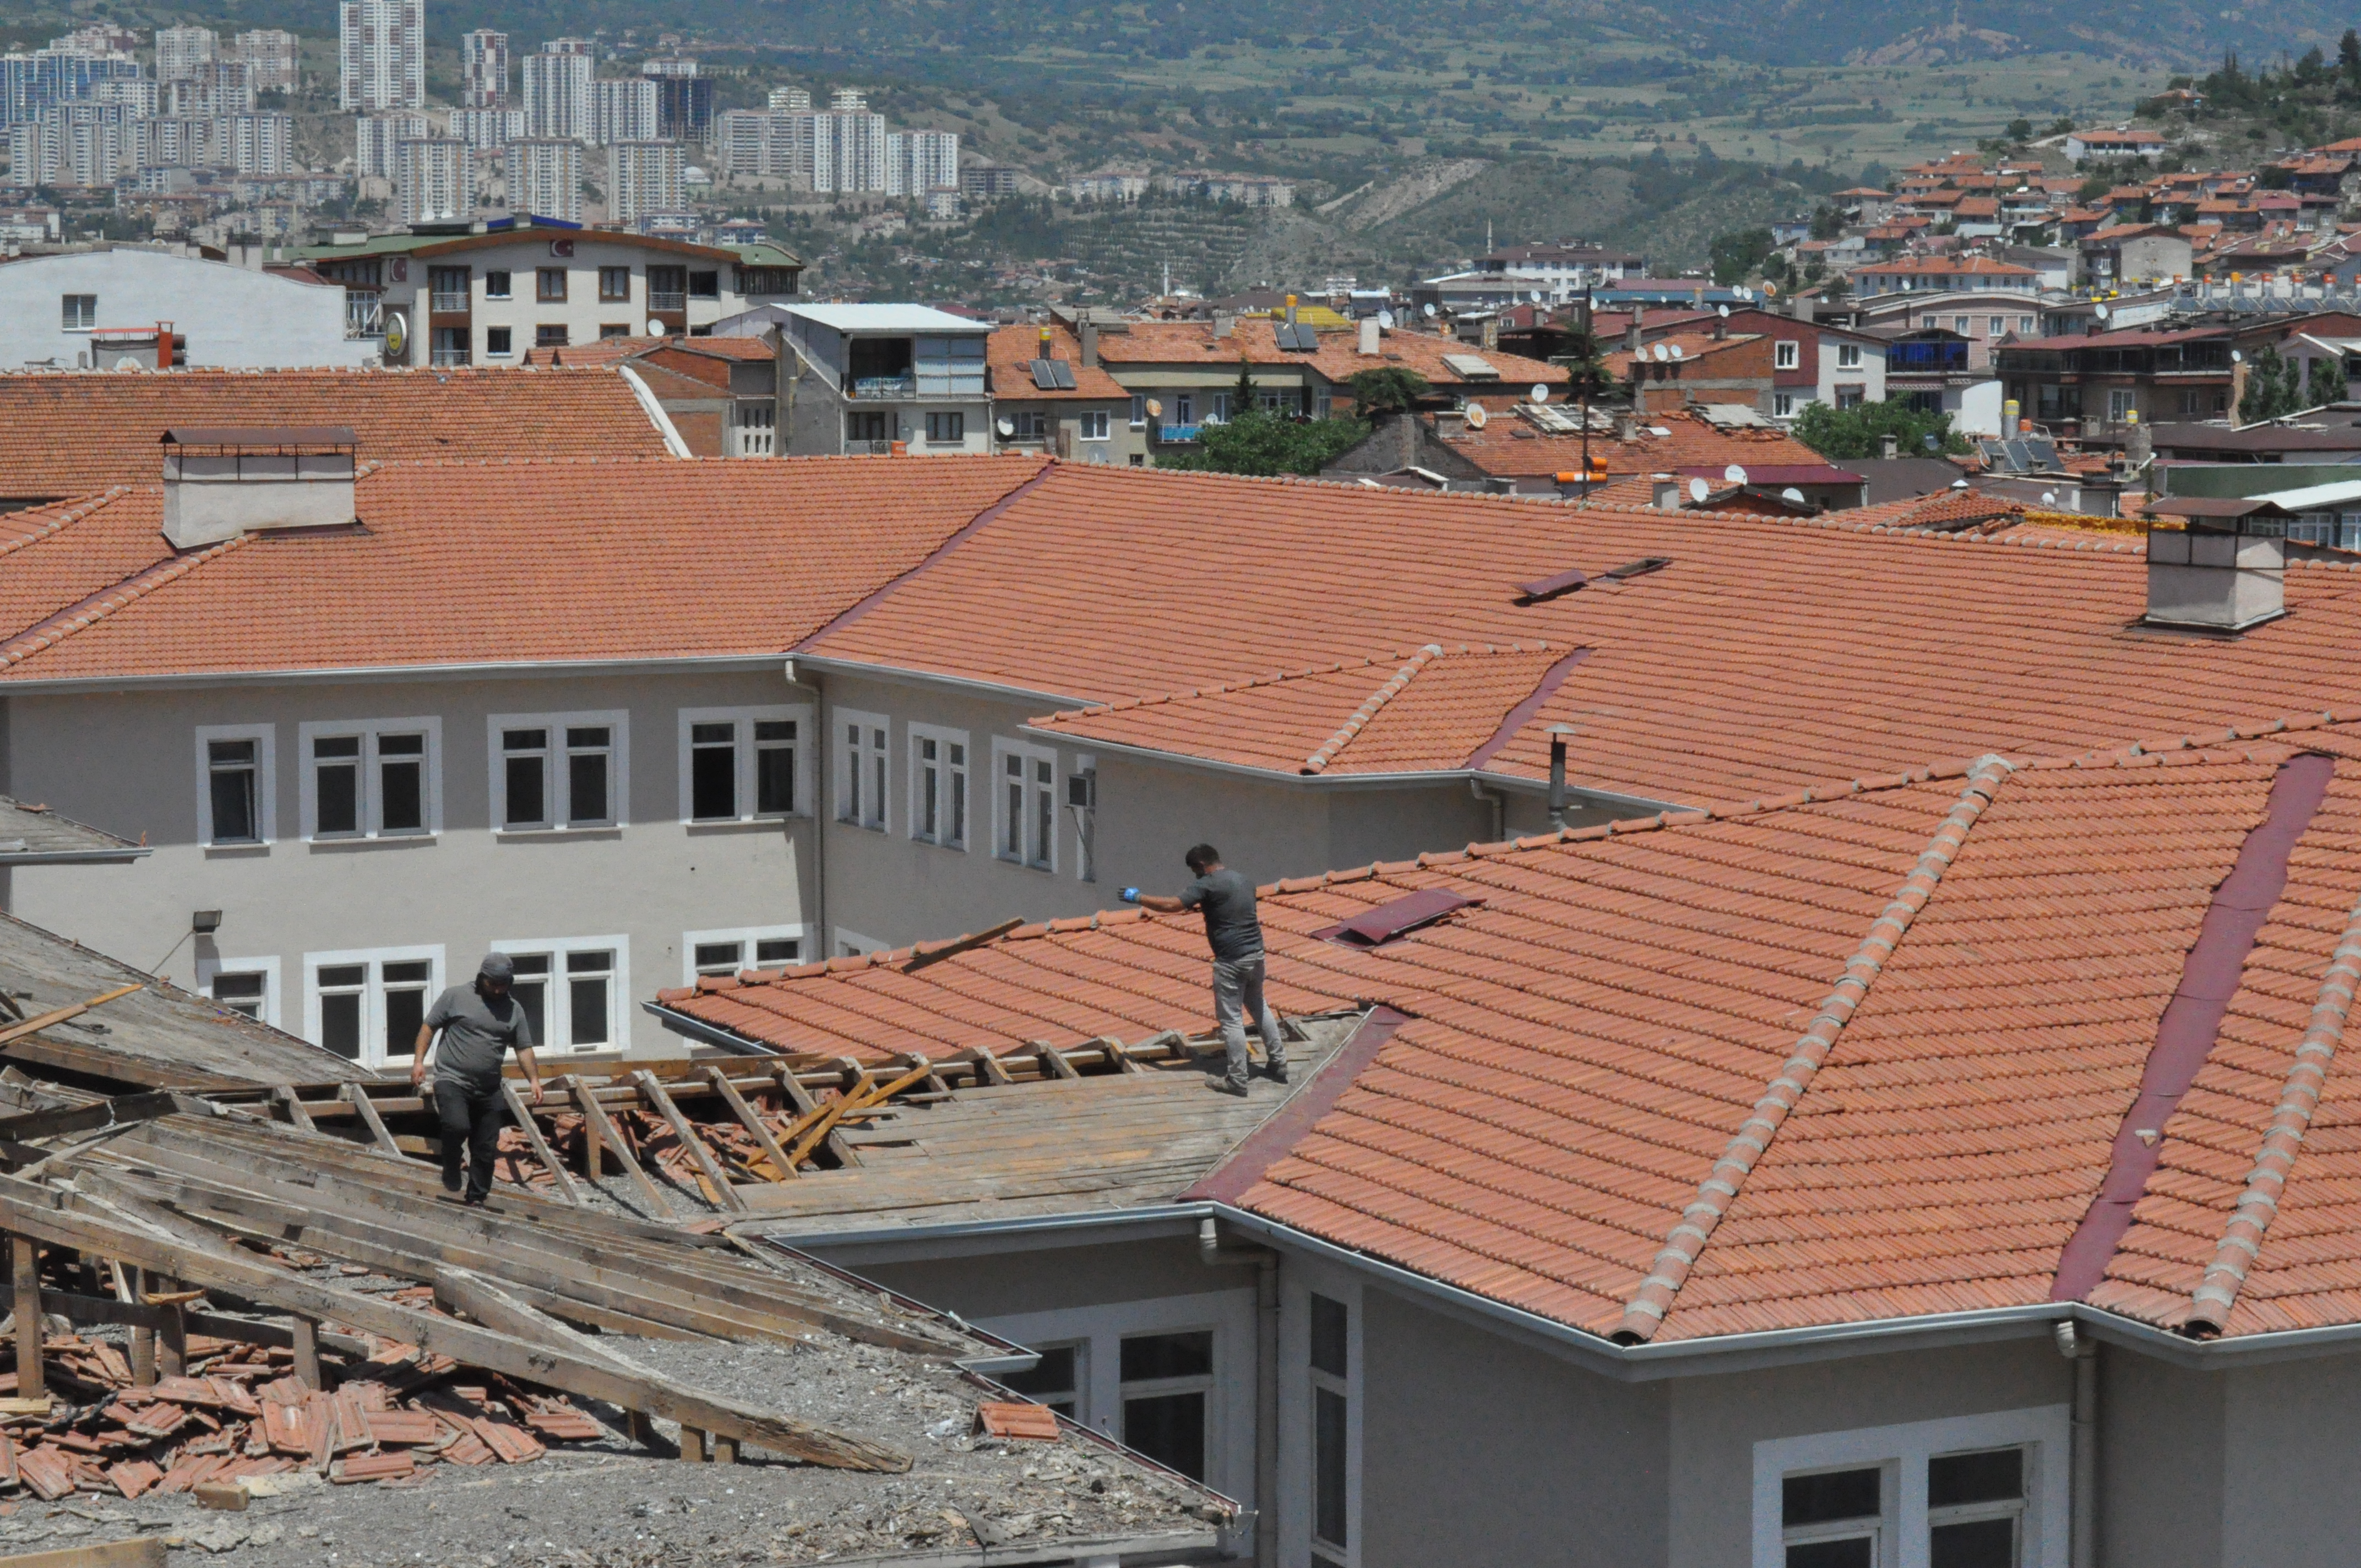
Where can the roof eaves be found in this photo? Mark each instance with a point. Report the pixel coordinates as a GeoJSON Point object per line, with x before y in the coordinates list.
{"type": "Point", "coordinates": [1327, 751]}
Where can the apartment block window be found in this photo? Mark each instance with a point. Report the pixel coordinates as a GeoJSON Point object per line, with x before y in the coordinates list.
{"type": "Point", "coordinates": [946, 427]}
{"type": "Point", "coordinates": [1783, 405]}
{"type": "Point", "coordinates": [1834, 1519]}
{"type": "Point", "coordinates": [738, 763]}
{"type": "Point", "coordinates": [249, 986]}
{"type": "Point", "coordinates": [1848, 357]}
{"type": "Point", "coordinates": [666, 289]}
{"type": "Point", "coordinates": [448, 286]}
{"type": "Point", "coordinates": [496, 286]}
{"type": "Point", "coordinates": [1058, 1379]}
{"type": "Point", "coordinates": [613, 329]}
{"type": "Point", "coordinates": [1997, 325]}
{"type": "Point", "coordinates": [231, 796]}
{"type": "Point", "coordinates": [728, 952]}
{"type": "Point", "coordinates": [2024, 323]}
{"type": "Point", "coordinates": [867, 427]}
{"type": "Point", "coordinates": [1330, 1370]}
{"type": "Point", "coordinates": [498, 342]}
{"type": "Point", "coordinates": [375, 780]}
{"type": "Point", "coordinates": [861, 769]}
{"type": "Point", "coordinates": [1986, 1491]}
{"type": "Point", "coordinates": [1139, 413]}
{"type": "Point", "coordinates": [1961, 324]}
{"type": "Point", "coordinates": [1028, 425]}
{"type": "Point", "coordinates": [570, 990]}
{"type": "Point", "coordinates": [705, 285]}
{"type": "Point", "coordinates": [1850, 397]}
{"type": "Point", "coordinates": [939, 787]}
{"type": "Point", "coordinates": [614, 285]}
{"type": "Point", "coordinates": [1167, 1380]}
{"type": "Point", "coordinates": [367, 1007]}
{"type": "Point", "coordinates": [558, 771]}
{"type": "Point", "coordinates": [1928, 319]}
{"type": "Point", "coordinates": [1094, 425]}
{"type": "Point", "coordinates": [549, 283]}
{"type": "Point", "coordinates": [1787, 356]}
{"type": "Point", "coordinates": [79, 312]}
{"type": "Point", "coordinates": [2122, 403]}
{"type": "Point", "coordinates": [247, 993]}
{"type": "Point", "coordinates": [1028, 829]}
{"type": "Point", "coordinates": [549, 335]}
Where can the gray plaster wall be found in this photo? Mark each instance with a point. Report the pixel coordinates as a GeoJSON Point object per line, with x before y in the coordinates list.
{"type": "Point", "coordinates": [232, 317]}
{"type": "Point", "coordinates": [1479, 1453]}
{"type": "Point", "coordinates": [2292, 1484]}
{"type": "Point", "coordinates": [2161, 1464]}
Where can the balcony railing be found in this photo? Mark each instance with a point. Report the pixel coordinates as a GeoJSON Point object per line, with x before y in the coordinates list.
{"type": "Point", "coordinates": [364, 316]}
{"type": "Point", "coordinates": [1176, 433]}
{"type": "Point", "coordinates": [668, 299]}
{"type": "Point", "coordinates": [450, 303]}
{"type": "Point", "coordinates": [448, 358]}
{"type": "Point", "coordinates": [751, 441]}
{"type": "Point", "coordinates": [875, 387]}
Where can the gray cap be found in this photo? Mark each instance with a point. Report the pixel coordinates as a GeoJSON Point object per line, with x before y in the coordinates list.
{"type": "Point", "coordinates": [496, 966]}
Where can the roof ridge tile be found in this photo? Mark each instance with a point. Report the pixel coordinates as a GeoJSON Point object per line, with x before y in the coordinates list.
{"type": "Point", "coordinates": [1325, 752]}
{"type": "Point", "coordinates": [97, 607]}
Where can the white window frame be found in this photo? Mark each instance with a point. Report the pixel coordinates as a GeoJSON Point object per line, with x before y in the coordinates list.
{"type": "Point", "coordinates": [73, 317]}
{"type": "Point", "coordinates": [1230, 1399]}
{"type": "Point", "coordinates": [851, 944]}
{"type": "Point", "coordinates": [372, 801]}
{"type": "Point", "coordinates": [210, 969]}
{"type": "Point", "coordinates": [1847, 356]}
{"type": "Point", "coordinates": [744, 719]}
{"type": "Point", "coordinates": [266, 782]}
{"type": "Point", "coordinates": [745, 937]}
{"type": "Point", "coordinates": [1002, 749]}
{"type": "Point", "coordinates": [373, 1002]}
{"type": "Point", "coordinates": [1295, 1410]}
{"type": "Point", "coordinates": [849, 757]}
{"type": "Point", "coordinates": [619, 768]}
{"type": "Point", "coordinates": [557, 1013]}
{"type": "Point", "coordinates": [1788, 355]}
{"type": "Point", "coordinates": [941, 736]}
{"type": "Point", "coordinates": [1783, 405]}
{"type": "Point", "coordinates": [1094, 423]}
{"type": "Point", "coordinates": [2045, 1432]}
{"type": "Point", "coordinates": [1086, 823]}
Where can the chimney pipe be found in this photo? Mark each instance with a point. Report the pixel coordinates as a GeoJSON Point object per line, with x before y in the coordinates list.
{"type": "Point", "coordinates": [1632, 333]}
{"type": "Point", "coordinates": [1371, 343]}
{"type": "Point", "coordinates": [219, 483]}
{"type": "Point", "coordinates": [1558, 732]}
{"type": "Point", "coordinates": [1290, 310]}
{"type": "Point", "coordinates": [2212, 580]}
{"type": "Point", "coordinates": [1090, 336]}
{"type": "Point", "coordinates": [1223, 323]}
{"type": "Point", "coordinates": [1666, 494]}
{"type": "Point", "coordinates": [1889, 447]}
{"type": "Point", "coordinates": [163, 345]}
{"type": "Point", "coordinates": [1627, 426]}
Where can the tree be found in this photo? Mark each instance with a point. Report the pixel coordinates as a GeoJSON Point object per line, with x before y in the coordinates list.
{"type": "Point", "coordinates": [1585, 360]}
{"type": "Point", "coordinates": [1860, 431]}
{"type": "Point", "coordinates": [2060, 126]}
{"type": "Point", "coordinates": [2271, 389]}
{"type": "Point", "coordinates": [2020, 130]}
{"type": "Point", "coordinates": [2348, 56]}
{"type": "Point", "coordinates": [1736, 256]}
{"type": "Point", "coordinates": [1258, 441]}
{"type": "Point", "coordinates": [2327, 384]}
{"type": "Point", "coordinates": [1827, 221]}
{"type": "Point", "coordinates": [1390, 390]}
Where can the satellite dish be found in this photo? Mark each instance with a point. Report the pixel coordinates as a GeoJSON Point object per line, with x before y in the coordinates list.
{"type": "Point", "coordinates": [1792, 494]}
{"type": "Point", "coordinates": [1430, 310]}
{"type": "Point", "coordinates": [1770, 290]}
{"type": "Point", "coordinates": [2100, 312]}
{"type": "Point", "coordinates": [1540, 393]}
{"type": "Point", "coordinates": [2050, 497]}
{"type": "Point", "coordinates": [1476, 416]}
{"type": "Point", "coordinates": [2237, 357]}
{"type": "Point", "coordinates": [1155, 407]}
{"type": "Point", "coordinates": [1535, 296]}
{"type": "Point", "coordinates": [1006, 427]}
{"type": "Point", "coordinates": [1734, 474]}
{"type": "Point", "coordinates": [1699, 490]}
{"type": "Point", "coordinates": [1724, 311]}
{"type": "Point", "coordinates": [655, 327]}
{"type": "Point", "coordinates": [1385, 318]}
{"type": "Point", "coordinates": [1663, 354]}
{"type": "Point", "coordinates": [1676, 351]}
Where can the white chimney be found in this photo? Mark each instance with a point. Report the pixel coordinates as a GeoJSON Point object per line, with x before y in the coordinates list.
{"type": "Point", "coordinates": [1371, 340]}
{"type": "Point", "coordinates": [1666, 495]}
{"type": "Point", "coordinates": [2213, 580]}
{"type": "Point", "coordinates": [222, 482]}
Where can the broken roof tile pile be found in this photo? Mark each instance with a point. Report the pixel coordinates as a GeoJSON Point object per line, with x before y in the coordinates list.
{"type": "Point", "coordinates": [65, 433]}
{"type": "Point", "coordinates": [1625, 1096]}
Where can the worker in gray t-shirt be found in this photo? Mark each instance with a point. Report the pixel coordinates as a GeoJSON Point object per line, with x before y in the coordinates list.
{"type": "Point", "coordinates": [1234, 934]}
{"type": "Point", "coordinates": [480, 1025]}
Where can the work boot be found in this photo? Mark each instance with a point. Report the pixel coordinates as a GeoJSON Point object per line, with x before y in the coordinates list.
{"type": "Point", "coordinates": [1223, 1086]}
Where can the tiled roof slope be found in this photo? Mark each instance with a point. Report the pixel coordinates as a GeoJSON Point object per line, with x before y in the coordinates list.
{"type": "Point", "coordinates": [1586, 1045]}
{"type": "Point", "coordinates": [72, 433]}
{"type": "Point", "coordinates": [1512, 447]}
{"type": "Point", "coordinates": [1009, 355]}
{"type": "Point", "coordinates": [471, 563]}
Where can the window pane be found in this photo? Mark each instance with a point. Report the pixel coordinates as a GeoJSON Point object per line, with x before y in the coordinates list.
{"type": "Point", "coordinates": [957, 830]}
{"type": "Point", "coordinates": [1328, 1466]}
{"type": "Point", "coordinates": [929, 786]}
{"type": "Point", "coordinates": [525, 801]}
{"type": "Point", "coordinates": [405, 1011]}
{"type": "Point", "coordinates": [340, 1024]}
{"type": "Point", "coordinates": [233, 803]}
{"type": "Point", "coordinates": [336, 789]}
{"type": "Point", "coordinates": [1328, 1337]}
{"type": "Point", "coordinates": [579, 737]}
{"type": "Point", "coordinates": [1979, 1543]}
{"type": "Point", "coordinates": [777, 950]}
{"type": "Point", "coordinates": [329, 747]}
{"type": "Point", "coordinates": [533, 995]}
{"type": "Point", "coordinates": [401, 745]}
{"type": "Point", "coordinates": [774, 777]}
{"type": "Point", "coordinates": [1994, 1476]}
{"type": "Point", "coordinates": [586, 778]}
{"type": "Point", "coordinates": [344, 974]}
{"type": "Point", "coordinates": [877, 788]}
{"type": "Point", "coordinates": [1146, 1356]}
{"type": "Point", "coordinates": [1858, 1553]}
{"type": "Point", "coordinates": [402, 796]}
{"type": "Point", "coordinates": [1054, 1375]}
{"type": "Point", "coordinates": [524, 739]}
{"type": "Point", "coordinates": [712, 734]}
{"type": "Point", "coordinates": [1830, 1496]}
{"type": "Point", "coordinates": [713, 778]}
{"type": "Point", "coordinates": [719, 957]}
{"type": "Point", "coordinates": [241, 992]}
{"type": "Point", "coordinates": [588, 1000]}
{"type": "Point", "coordinates": [1168, 1429]}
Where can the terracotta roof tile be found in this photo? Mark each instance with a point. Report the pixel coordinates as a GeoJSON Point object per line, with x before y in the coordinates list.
{"type": "Point", "coordinates": [1511, 448]}
{"type": "Point", "coordinates": [1010, 352]}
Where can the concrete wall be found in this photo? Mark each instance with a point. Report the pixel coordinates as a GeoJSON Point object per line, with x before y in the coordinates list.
{"type": "Point", "coordinates": [2161, 1464]}
{"type": "Point", "coordinates": [2291, 1442]}
{"type": "Point", "coordinates": [1482, 1454]}
{"type": "Point", "coordinates": [409, 279]}
{"type": "Point", "coordinates": [232, 317]}
{"type": "Point", "coordinates": [128, 762]}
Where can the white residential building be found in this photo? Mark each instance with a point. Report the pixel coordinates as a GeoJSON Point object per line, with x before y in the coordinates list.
{"type": "Point", "coordinates": [488, 130]}
{"type": "Point", "coordinates": [259, 143]}
{"type": "Point", "coordinates": [375, 137]}
{"type": "Point", "coordinates": [849, 150]}
{"type": "Point", "coordinates": [920, 161]}
{"type": "Point", "coordinates": [57, 308]}
{"type": "Point", "coordinates": [435, 180]}
{"type": "Point", "coordinates": [179, 50]}
{"type": "Point", "coordinates": [212, 87]}
{"type": "Point", "coordinates": [171, 141]}
{"type": "Point", "coordinates": [790, 101]}
{"type": "Point", "coordinates": [273, 58]}
{"type": "Point", "coordinates": [623, 108]}
{"type": "Point", "coordinates": [557, 100]}
{"type": "Point", "coordinates": [139, 97]}
{"type": "Point", "coordinates": [73, 144]}
{"type": "Point", "coordinates": [484, 69]}
{"type": "Point", "coordinates": [383, 63]}
{"type": "Point", "coordinates": [544, 178]}
{"type": "Point", "coordinates": [643, 177]}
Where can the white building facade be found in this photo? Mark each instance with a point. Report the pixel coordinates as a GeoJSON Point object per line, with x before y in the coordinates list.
{"type": "Point", "coordinates": [59, 308]}
{"type": "Point", "coordinates": [382, 56]}
{"type": "Point", "coordinates": [544, 178]}
{"type": "Point", "coordinates": [920, 161]}
{"type": "Point", "coordinates": [623, 109]}
{"type": "Point", "coordinates": [375, 137]}
{"type": "Point", "coordinates": [557, 99]}
{"type": "Point", "coordinates": [272, 57]}
{"type": "Point", "coordinates": [435, 180]}
{"type": "Point", "coordinates": [643, 177]}
{"type": "Point", "coordinates": [179, 50]}
{"type": "Point", "coordinates": [484, 69]}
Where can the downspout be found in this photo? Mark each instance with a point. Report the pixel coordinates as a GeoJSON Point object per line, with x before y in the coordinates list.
{"type": "Point", "coordinates": [1500, 808]}
{"type": "Point", "coordinates": [2084, 1502]}
{"type": "Point", "coordinates": [810, 682]}
{"type": "Point", "coordinates": [1211, 1251]}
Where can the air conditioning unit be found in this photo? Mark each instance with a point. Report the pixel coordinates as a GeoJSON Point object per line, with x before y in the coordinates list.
{"type": "Point", "coordinates": [1083, 790]}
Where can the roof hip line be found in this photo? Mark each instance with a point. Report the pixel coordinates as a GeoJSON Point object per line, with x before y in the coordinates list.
{"type": "Point", "coordinates": [2242, 1238]}
{"type": "Point", "coordinates": [1645, 1313]}
{"type": "Point", "coordinates": [1378, 699]}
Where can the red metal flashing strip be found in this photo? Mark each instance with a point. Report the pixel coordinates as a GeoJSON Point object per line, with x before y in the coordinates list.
{"type": "Point", "coordinates": [2210, 977]}
{"type": "Point", "coordinates": [1522, 714]}
{"type": "Point", "coordinates": [1396, 917]}
{"type": "Point", "coordinates": [1269, 1143]}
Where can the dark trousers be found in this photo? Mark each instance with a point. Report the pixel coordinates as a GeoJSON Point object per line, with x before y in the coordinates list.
{"type": "Point", "coordinates": [471, 1122]}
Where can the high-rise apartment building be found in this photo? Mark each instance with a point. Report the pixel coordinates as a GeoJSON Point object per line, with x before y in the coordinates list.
{"type": "Point", "coordinates": [435, 180]}
{"type": "Point", "coordinates": [377, 140]}
{"type": "Point", "coordinates": [31, 83]}
{"type": "Point", "coordinates": [488, 130]}
{"type": "Point", "coordinates": [623, 108]}
{"type": "Point", "coordinates": [179, 50]}
{"type": "Point", "coordinates": [920, 161]}
{"type": "Point", "coordinates": [484, 69]}
{"type": "Point", "coordinates": [848, 101]}
{"type": "Point", "coordinates": [259, 143]}
{"type": "Point", "coordinates": [849, 149]}
{"type": "Point", "coordinates": [273, 58]}
{"type": "Point", "coordinates": [643, 177]}
{"type": "Point", "coordinates": [544, 178]}
{"type": "Point", "coordinates": [684, 99]}
{"type": "Point", "coordinates": [73, 144]}
{"type": "Point", "coordinates": [790, 101]}
{"type": "Point", "coordinates": [383, 59]}
{"type": "Point", "coordinates": [557, 100]}
{"type": "Point", "coordinates": [214, 87]}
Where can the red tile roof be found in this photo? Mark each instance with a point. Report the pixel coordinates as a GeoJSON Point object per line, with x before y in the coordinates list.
{"type": "Point", "coordinates": [1010, 352]}
{"type": "Point", "coordinates": [465, 564]}
{"type": "Point", "coordinates": [1513, 447]}
{"type": "Point", "coordinates": [1626, 1097]}
{"type": "Point", "coordinates": [65, 433]}
{"type": "Point", "coordinates": [1339, 357]}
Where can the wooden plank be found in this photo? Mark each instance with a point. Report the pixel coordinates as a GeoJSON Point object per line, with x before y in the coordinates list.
{"type": "Point", "coordinates": [1053, 1060]}
{"type": "Point", "coordinates": [459, 1291]}
{"type": "Point", "coordinates": [24, 1280]}
{"type": "Point", "coordinates": [755, 1125]}
{"type": "Point", "coordinates": [15, 1032]}
{"type": "Point", "coordinates": [288, 1102]}
{"type": "Point", "coordinates": [724, 1195]}
{"type": "Point", "coordinates": [1118, 1056]}
{"type": "Point", "coordinates": [367, 1109]}
{"type": "Point", "coordinates": [540, 1149]}
{"type": "Point", "coordinates": [307, 1351]}
{"type": "Point", "coordinates": [595, 1117]}
{"type": "Point", "coordinates": [920, 958]}
{"type": "Point", "coordinates": [793, 1089]}
{"type": "Point", "coordinates": [92, 1225]}
{"type": "Point", "coordinates": [135, 1552]}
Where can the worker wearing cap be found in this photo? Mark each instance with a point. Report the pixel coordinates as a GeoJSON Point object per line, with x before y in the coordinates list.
{"type": "Point", "coordinates": [1235, 933]}
{"type": "Point", "coordinates": [479, 1023]}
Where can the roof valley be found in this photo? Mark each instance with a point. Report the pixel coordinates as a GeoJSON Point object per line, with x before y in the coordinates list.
{"type": "Point", "coordinates": [1645, 1313]}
